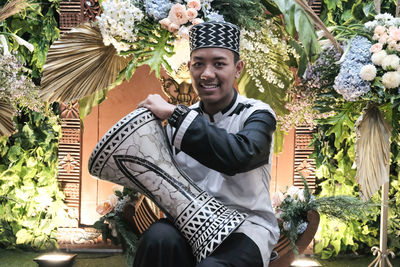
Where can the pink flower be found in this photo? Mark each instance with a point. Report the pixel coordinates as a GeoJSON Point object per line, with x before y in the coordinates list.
{"type": "Point", "coordinates": [375, 36]}
{"type": "Point", "coordinates": [173, 27]}
{"type": "Point", "coordinates": [178, 14]}
{"type": "Point", "coordinates": [192, 13]}
{"type": "Point", "coordinates": [165, 23]}
{"type": "Point", "coordinates": [380, 29]}
{"type": "Point", "coordinates": [392, 45]}
{"type": "Point", "coordinates": [398, 47]}
{"type": "Point", "coordinates": [197, 21]}
{"type": "Point", "coordinates": [108, 205]}
{"type": "Point", "coordinates": [383, 38]}
{"type": "Point", "coordinates": [195, 4]}
{"type": "Point", "coordinates": [395, 34]}
{"type": "Point", "coordinates": [376, 48]}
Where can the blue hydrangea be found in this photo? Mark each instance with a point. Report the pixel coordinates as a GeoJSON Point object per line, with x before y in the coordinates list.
{"type": "Point", "coordinates": [301, 228]}
{"type": "Point", "coordinates": [348, 82]}
{"type": "Point", "coordinates": [157, 9]}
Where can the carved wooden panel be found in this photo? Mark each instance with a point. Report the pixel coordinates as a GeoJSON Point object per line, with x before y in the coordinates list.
{"type": "Point", "coordinates": [302, 163]}
{"type": "Point", "coordinates": [70, 14]}
{"type": "Point", "coordinates": [74, 12]}
{"type": "Point", "coordinates": [69, 159]}
{"type": "Point", "coordinates": [316, 6]}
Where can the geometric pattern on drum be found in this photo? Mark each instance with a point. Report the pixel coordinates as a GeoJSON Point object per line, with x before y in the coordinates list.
{"type": "Point", "coordinates": [205, 223]}
{"type": "Point", "coordinates": [114, 137]}
{"type": "Point", "coordinates": [140, 134]}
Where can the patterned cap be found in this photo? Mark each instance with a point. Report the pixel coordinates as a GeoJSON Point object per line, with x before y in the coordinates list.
{"type": "Point", "coordinates": [215, 34]}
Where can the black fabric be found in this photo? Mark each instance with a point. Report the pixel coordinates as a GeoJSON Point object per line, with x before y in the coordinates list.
{"type": "Point", "coordinates": [162, 245]}
{"type": "Point", "coordinates": [229, 153]}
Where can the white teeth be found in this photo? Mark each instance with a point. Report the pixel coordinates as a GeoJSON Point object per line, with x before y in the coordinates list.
{"type": "Point", "coordinates": [209, 86]}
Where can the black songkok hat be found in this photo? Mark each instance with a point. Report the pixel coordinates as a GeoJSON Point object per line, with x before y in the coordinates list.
{"type": "Point", "coordinates": [215, 34]}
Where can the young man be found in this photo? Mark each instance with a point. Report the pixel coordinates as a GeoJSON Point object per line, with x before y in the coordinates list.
{"type": "Point", "coordinates": [224, 143]}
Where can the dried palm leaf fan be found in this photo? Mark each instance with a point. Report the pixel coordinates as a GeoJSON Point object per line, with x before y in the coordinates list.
{"type": "Point", "coordinates": [12, 8]}
{"type": "Point", "coordinates": [372, 151]}
{"type": "Point", "coordinates": [6, 114]}
{"type": "Point", "coordinates": [78, 64]}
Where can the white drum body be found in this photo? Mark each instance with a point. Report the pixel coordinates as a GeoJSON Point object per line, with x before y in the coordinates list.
{"type": "Point", "coordinates": [135, 153]}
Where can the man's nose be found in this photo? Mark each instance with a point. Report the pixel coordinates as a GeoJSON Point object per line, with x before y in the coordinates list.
{"type": "Point", "coordinates": [208, 73]}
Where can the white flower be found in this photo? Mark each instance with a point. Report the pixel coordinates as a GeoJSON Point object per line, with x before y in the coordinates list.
{"type": "Point", "coordinates": [390, 62]}
{"type": "Point", "coordinates": [391, 79]}
{"type": "Point", "coordinates": [292, 191]}
{"type": "Point", "coordinates": [277, 199]}
{"type": "Point", "coordinates": [377, 58]}
{"type": "Point", "coordinates": [300, 195]}
{"type": "Point", "coordinates": [368, 72]}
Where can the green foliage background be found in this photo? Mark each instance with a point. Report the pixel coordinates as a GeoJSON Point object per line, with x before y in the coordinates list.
{"type": "Point", "coordinates": [38, 25]}
{"type": "Point", "coordinates": [31, 205]}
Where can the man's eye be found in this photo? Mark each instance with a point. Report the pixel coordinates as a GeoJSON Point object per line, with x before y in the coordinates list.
{"type": "Point", "coordinates": [196, 64]}
{"type": "Point", "coordinates": [219, 64]}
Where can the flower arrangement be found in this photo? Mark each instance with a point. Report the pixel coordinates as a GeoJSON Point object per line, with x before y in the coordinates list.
{"type": "Point", "coordinates": [291, 209]}
{"type": "Point", "coordinates": [112, 224]}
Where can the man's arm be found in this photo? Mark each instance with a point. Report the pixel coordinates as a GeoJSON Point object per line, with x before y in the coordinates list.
{"type": "Point", "coordinates": [226, 152]}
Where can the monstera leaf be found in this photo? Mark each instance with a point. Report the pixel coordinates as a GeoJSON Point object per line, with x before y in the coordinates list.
{"type": "Point", "coordinates": [154, 46]}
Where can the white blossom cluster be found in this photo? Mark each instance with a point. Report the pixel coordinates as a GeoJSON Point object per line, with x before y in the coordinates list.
{"type": "Point", "coordinates": [117, 23]}
{"type": "Point", "coordinates": [264, 51]}
{"type": "Point", "coordinates": [15, 88]}
{"type": "Point", "coordinates": [384, 19]}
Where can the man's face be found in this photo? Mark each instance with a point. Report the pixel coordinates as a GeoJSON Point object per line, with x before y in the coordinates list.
{"type": "Point", "coordinates": [213, 73]}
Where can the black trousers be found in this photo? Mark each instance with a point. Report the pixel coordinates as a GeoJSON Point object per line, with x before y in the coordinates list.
{"type": "Point", "coordinates": [162, 245]}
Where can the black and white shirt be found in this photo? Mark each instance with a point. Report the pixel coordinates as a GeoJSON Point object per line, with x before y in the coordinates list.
{"type": "Point", "coordinates": [229, 156]}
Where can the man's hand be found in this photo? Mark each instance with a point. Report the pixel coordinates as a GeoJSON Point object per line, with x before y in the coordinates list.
{"type": "Point", "coordinates": [156, 104]}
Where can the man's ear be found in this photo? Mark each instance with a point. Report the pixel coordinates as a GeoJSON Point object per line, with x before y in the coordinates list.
{"type": "Point", "coordinates": [239, 68]}
{"type": "Point", "coordinates": [188, 64]}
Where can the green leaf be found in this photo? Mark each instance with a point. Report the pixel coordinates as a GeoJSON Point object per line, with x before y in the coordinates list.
{"type": "Point", "coordinates": [336, 246]}
{"type": "Point", "coordinates": [88, 102]}
{"type": "Point", "coordinates": [23, 237]}
{"type": "Point", "coordinates": [155, 45]}
{"type": "Point", "coordinates": [332, 4]}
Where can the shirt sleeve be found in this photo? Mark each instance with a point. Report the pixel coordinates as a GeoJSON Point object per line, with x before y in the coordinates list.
{"type": "Point", "coordinates": [225, 152]}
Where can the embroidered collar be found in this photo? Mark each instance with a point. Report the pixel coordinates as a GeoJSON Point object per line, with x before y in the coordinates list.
{"type": "Point", "coordinates": [223, 113]}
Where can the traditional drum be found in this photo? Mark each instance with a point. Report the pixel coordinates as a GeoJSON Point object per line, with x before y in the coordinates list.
{"type": "Point", "coordinates": [135, 153]}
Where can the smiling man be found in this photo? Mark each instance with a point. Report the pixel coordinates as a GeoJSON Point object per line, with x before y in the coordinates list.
{"type": "Point", "coordinates": [224, 143]}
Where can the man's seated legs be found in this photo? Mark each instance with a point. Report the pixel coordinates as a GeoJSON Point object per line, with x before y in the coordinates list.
{"type": "Point", "coordinates": [162, 245]}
